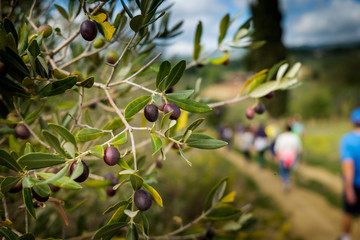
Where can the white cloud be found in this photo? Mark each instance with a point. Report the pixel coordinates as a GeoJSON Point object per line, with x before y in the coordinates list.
{"type": "Point", "coordinates": [180, 49]}
{"type": "Point", "coordinates": [241, 4]}
{"type": "Point", "coordinates": [210, 12]}
{"type": "Point", "coordinates": [335, 22]}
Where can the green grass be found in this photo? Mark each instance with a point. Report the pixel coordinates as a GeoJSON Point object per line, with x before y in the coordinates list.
{"type": "Point", "coordinates": [187, 188]}
{"type": "Point", "coordinates": [321, 143]}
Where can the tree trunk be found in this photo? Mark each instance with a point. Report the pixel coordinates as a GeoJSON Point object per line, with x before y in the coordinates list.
{"type": "Point", "coordinates": [267, 24]}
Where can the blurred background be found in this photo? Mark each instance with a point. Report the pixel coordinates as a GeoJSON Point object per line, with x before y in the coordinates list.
{"type": "Point", "coordinates": [324, 35]}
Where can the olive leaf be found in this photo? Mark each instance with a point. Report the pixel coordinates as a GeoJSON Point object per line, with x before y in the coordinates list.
{"type": "Point", "coordinates": [107, 28]}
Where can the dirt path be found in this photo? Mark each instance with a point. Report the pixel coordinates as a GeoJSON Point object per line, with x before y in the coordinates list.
{"type": "Point", "coordinates": [330, 180]}
{"type": "Point", "coordinates": [310, 215]}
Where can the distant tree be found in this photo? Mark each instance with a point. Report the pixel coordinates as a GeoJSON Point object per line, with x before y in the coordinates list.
{"type": "Point", "coordinates": [267, 25]}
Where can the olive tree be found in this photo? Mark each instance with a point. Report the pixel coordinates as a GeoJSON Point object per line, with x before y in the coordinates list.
{"type": "Point", "coordinates": [52, 76]}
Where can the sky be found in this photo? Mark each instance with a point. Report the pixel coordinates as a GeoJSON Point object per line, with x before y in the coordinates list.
{"type": "Point", "coordinates": [305, 22]}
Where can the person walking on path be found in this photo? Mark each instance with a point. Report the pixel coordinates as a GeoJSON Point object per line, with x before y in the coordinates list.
{"type": "Point", "coordinates": [261, 144]}
{"type": "Point", "coordinates": [287, 150]}
{"type": "Point", "coordinates": [350, 163]}
{"type": "Point", "coordinates": [245, 141]}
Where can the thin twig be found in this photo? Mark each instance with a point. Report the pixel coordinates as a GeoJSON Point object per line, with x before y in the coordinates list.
{"type": "Point", "coordinates": [120, 58]}
{"type": "Point", "coordinates": [153, 165]}
{"type": "Point", "coordinates": [106, 108]}
{"type": "Point", "coordinates": [226, 102]}
{"type": "Point", "coordinates": [78, 117]}
{"type": "Point", "coordinates": [104, 144]}
{"type": "Point", "coordinates": [49, 56]}
{"type": "Point", "coordinates": [5, 208]}
{"type": "Point", "coordinates": [141, 87]}
{"type": "Point", "coordinates": [44, 11]}
{"type": "Point", "coordinates": [127, 125]}
{"type": "Point", "coordinates": [26, 221]}
{"type": "Point", "coordinates": [84, 55]}
{"type": "Point", "coordinates": [62, 212]}
{"type": "Point", "coordinates": [32, 9]}
{"type": "Point", "coordinates": [67, 42]}
{"type": "Point", "coordinates": [194, 63]}
{"type": "Point", "coordinates": [157, 132]}
{"type": "Point", "coordinates": [137, 72]}
{"type": "Point", "coordinates": [96, 177]}
{"type": "Point", "coordinates": [12, 5]}
{"type": "Point", "coordinates": [185, 227]}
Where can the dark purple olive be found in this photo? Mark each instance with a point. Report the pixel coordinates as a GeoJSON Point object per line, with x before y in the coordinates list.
{"type": "Point", "coordinates": [2, 68]}
{"type": "Point", "coordinates": [112, 178]}
{"type": "Point", "coordinates": [22, 132]}
{"type": "Point", "coordinates": [176, 146]}
{"type": "Point", "coordinates": [170, 90]}
{"type": "Point", "coordinates": [36, 204]}
{"type": "Point", "coordinates": [218, 111]}
{"type": "Point", "coordinates": [151, 112]}
{"type": "Point", "coordinates": [161, 107]}
{"type": "Point", "coordinates": [210, 234]}
{"type": "Point", "coordinates": [159, 164]}
{"type": "Point", "coordinates": [110, 191]}
{"type": "Point", "coordinates": [93, 106]}
{"type": "Point", "coordinates": [38, 197]}
{"type": "Point", "coordinates": [270, 95]}
{"type": "Point", "coordinates": [53, 188]}
{"type": "Point", "coordinates": [226, 62]}
{"type": "Point", "coordinates": [16, 188]}
{"type": "Point", "coordinates": [175, 110]}
{"type": "Point", "coordinates": [111, 156]}
{"type": "Point", "coordinates": [250, 113]}
{"type": "Point", "coordinates": [88, 30]}
{"type": "Point", "coordinates": [142, 199]}
{"type": "Point", "coordinates": [260, 108]}
{"type": "Point", "coordinates": [51, 71]}
{"type": "Point", "coordinates": [85, 173]}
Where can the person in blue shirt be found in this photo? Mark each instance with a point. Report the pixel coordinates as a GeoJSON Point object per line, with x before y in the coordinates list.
{"type": "Point", "coordinates": [350, 162]}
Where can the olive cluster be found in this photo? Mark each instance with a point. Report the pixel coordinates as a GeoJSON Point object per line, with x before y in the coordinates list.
{"type": "Point", "coordinates": [151, 111]}
{"type": "Point", "coordinates": [113, 181]}
{"type": "Point", "coordinates": [259, 108]}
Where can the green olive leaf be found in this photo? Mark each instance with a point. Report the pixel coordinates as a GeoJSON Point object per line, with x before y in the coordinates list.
{"type": "Point", "coordinates": [136, 105]}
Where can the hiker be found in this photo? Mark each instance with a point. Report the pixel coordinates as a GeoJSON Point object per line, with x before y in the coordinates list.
{"type": "Point", "coordinates": [287, 150]}
{"type": "Point", "coordinates": [272, 131]}
{"type": "Point", "coordinates": [350, 163]}
{"type": "Point", "coordinates": [296, 126]}
{"type": "Point", "coordinates": [261, 144]}
{"type": "Point", "coordinates": [245, 141]}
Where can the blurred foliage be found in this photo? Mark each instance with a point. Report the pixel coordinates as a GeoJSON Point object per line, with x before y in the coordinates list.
{"type": "Point", "coordinates": [321, 143]}
{"type": "Point", "coordinates": [330, 79]}
{"type": "Point", "coordinates": [316, 104]}
{"type": "Point", "coordinates": [181, 196]}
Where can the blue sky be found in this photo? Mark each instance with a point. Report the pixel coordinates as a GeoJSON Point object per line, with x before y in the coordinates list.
{"type": "Point", "coordinates": [305, 22]}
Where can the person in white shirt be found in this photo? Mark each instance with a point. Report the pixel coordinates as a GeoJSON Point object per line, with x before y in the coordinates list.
{"type": "Point", "coordinates": [287, 150]}
{"type": "Point", "coordinates": [245, 141]}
